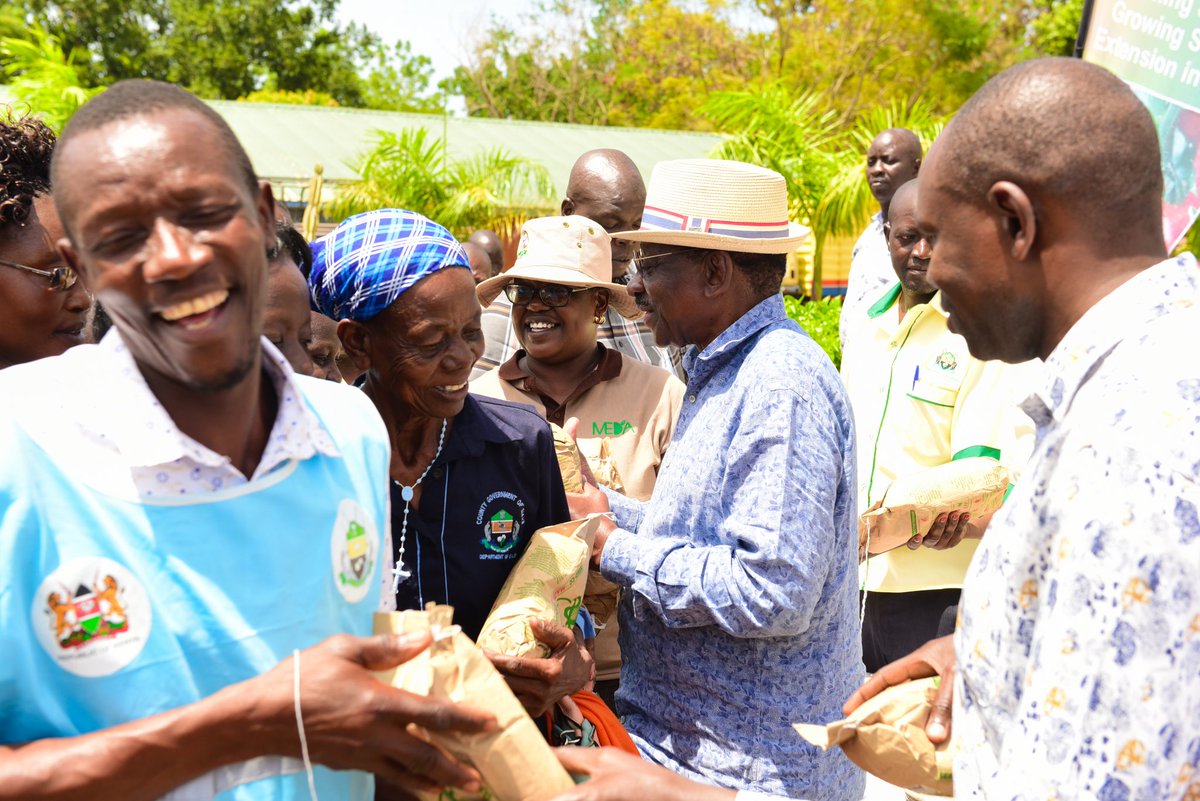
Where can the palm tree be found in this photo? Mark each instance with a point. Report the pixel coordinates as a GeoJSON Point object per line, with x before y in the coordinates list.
{"type": "Point", "coordinates": [492, 189]}
{"type": "Point", "coordinates": [791, 135]}
{"type": "Point", "coordinates": [822, 163]}
{"type": "Point", "coordinates": [43, 77]}
{"type": "Point", "coordinates": [846, 202]}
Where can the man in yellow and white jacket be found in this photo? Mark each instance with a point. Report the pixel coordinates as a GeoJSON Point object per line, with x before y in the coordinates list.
{"type": "Point", "coordinates": [921, 400]}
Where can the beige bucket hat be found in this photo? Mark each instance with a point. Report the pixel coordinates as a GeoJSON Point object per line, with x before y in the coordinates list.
{"type": "Point", "coordinates": [572, 251]}
{"type": "Point", "coordinates": [718, 205]}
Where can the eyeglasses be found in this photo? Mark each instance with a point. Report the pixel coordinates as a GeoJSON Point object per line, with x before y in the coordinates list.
{"type": "Point", "coordinates": [60, 278]}
{"type": "Point", "coordinates": [551, 295]}
{"type": "Point", "coordinates": [642, 257]}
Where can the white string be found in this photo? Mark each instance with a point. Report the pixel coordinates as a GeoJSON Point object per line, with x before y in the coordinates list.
{"type": "Point", "coordinates": [862, 611]}
{"type": "Point", "coordinates": [312, 784]}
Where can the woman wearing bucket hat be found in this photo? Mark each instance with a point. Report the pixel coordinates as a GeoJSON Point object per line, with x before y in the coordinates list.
{"type": "Point", "coordinates": [472, 477]}
{"type": "Point", "coordinates": [560, 288]}
{"type": "Point", "coordinates": [739, 576]}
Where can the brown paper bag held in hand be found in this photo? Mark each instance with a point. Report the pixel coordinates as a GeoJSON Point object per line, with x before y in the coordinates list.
{"type": "Point", "coordinates": [910, 505]}
{"type": "Point", "coordinates": [547, 582]}
{"type": "Point", "coordinates": [600, 462]}
{"type": "Point", "coordinates": [568, 459]}
{"type": "Point", "coordinates": [886, 738]}
{"type": "Point", "coordinates": [515, 761]}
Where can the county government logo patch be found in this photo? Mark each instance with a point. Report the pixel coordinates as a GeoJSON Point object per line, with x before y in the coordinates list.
{"type": "Point", "coordinates": [92, 616]}
{"type": "Point", "coordinates": [947, 361]}
{"type": "Point", "coordinates": [501, 517]}
{"type": "Point", "coordinates": [354, 547]}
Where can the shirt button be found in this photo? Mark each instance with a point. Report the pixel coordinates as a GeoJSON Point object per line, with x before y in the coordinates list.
{"type": "Point", "coordinates": [691, 398]}
{"type": "Point", "coordinates": [436, 472]}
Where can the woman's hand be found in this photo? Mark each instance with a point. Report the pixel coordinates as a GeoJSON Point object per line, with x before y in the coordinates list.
{"type": "Point", "coordinates": [539, 683]}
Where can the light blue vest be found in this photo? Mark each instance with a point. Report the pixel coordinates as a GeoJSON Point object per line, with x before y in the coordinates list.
{"type": "Point", "coordinates": [116, 609]}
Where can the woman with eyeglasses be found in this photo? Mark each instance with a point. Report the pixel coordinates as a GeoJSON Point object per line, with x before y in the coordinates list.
{"type": "Point", "coordinates": [560, 288]}
{"type": "Point", "coordinates": [43, 304]}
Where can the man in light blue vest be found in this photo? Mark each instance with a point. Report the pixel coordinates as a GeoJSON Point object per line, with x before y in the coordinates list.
{"type": "Point", "coordinates": [185, 524]}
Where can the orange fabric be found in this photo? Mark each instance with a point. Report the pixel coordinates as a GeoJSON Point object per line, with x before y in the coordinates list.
{"type": "Point", "coordinates": [609, 731]}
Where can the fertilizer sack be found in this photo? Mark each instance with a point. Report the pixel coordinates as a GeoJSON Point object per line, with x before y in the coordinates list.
{"type": "Point", "coordinates": [546, 583]}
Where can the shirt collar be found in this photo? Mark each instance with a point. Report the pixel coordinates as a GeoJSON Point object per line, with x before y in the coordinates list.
{"type": "Point", "coordinates": [890, 298]}
{"type": "Point", "coordinates": [1167, 286]}
{"type": "Point", "coordinates": [475, 426]}
{"type": "Point", "coordinates": [607, 368]}
{"type": "Point", "coordinates": [699, 364]}
{"type": "Point", "coordinates": [146, 436]}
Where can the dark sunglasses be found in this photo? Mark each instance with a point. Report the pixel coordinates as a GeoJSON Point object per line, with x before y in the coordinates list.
{"type": "Point", "coordinates": [551, 295]}
{"type": "Point", "coordinates": [60, 278]}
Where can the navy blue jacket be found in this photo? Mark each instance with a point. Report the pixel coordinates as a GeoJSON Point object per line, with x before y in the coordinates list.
{"type": "Point", "coordinates": [496, 482]}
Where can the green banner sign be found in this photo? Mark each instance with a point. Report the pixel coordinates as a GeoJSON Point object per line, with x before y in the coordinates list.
{"type": "Point", "coordinates": [1154, 45]}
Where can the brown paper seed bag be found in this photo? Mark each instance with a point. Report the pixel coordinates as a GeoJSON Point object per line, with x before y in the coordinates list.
{"type": "Point", "coordinates": [886, 738]}
{"type": "Point", "coordinates": [547, 582]}
{"type": "Point", "coordinates": [976, 485]}
{"type": "Point", "coordinates": [600, 461]}
{"type": "Point", "coordinates": [601, 595]}
{"type": "Point", "coordinates": [568, 460]}
{"type": "Point", "coordinates": [515, 761]}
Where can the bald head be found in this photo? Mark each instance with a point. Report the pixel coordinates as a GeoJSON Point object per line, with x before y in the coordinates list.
{"type": "Point", "coordinates": [893, 159]}
{"type": "Point", "coordinates": [606, 186]}
{"type": "Point", "coordinates": [907, 144]}
{"type": "Point", "coordinates": [1064, 131]}
{"type": "Point", "coordinates": [1042, 194]}
{"type": "Point", "coordinates": [480, 261]}
{"type": "Point", "coordinates": [904, 202]}
{"type": "Point", "coordinates": [490, 243]}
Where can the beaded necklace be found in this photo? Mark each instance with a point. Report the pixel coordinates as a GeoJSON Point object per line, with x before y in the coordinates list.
{"type": "Point", "coordinates": [400, 573]}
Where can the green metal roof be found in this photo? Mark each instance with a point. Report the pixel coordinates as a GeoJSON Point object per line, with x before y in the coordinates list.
{"type": "Point", "coordinates": [285, 141]}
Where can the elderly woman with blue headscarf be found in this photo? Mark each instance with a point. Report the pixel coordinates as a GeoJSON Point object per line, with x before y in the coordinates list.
{"type": "Point", "coordinates": [472, 477]}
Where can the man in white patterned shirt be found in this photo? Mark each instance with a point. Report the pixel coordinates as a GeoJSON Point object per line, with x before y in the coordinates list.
{"type": "Point", "coordinates": [893, 159]}
{"type": "Point", "coordinates": [1078, 644]}
{"type": "Point", "coordinates": [605, 186]}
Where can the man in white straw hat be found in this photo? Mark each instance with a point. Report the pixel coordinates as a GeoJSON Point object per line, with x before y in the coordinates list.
{"type": "Point", "coordinates": [738, 609]}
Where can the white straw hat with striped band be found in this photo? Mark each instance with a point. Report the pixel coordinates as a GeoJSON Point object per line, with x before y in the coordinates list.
{"type": "Point", "coordinates": [717, 205]}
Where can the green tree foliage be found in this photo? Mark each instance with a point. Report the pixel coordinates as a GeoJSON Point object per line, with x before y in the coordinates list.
{"type": "Point", "coordinates": [821, 160]}
{"type": "Point", "coordinates": [820, 319]}
{"type": "Point", "coordinates": [291, 98]}
{"type": "Point", "coordinates": [608, 62]}
{"type": "Point", "coordinates": [232, 48]}
{"type": "Point", "coordinates": [866, 53]}
{"type": "Point", "coordinates": [555, 71]}
{"type": "Point", "coordinates": [411, 170]}
{"type": "Point", "coordinates": [791, 135]}
{"type": "Point", "coordinates": [1054, 30]}
{"type": "Point", "coordinates": [666, 55]}
{"type": "Point", "coordinates": [653, 63]}
{"type": "Point", "coordinates": [42, 77]}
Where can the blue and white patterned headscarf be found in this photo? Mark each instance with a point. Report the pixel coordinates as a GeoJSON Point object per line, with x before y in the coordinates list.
{"type": "Point", "coordinates": [373, 257]}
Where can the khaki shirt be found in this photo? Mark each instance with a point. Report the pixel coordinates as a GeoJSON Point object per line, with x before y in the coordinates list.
{"type": "Point", "coordinates": [921, 400]}
{"type": "Point", "coordinates": [631, 404]}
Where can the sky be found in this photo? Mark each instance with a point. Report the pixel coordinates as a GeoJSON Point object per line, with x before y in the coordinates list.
{"type": "Point", "coordinates": [440, 29]}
